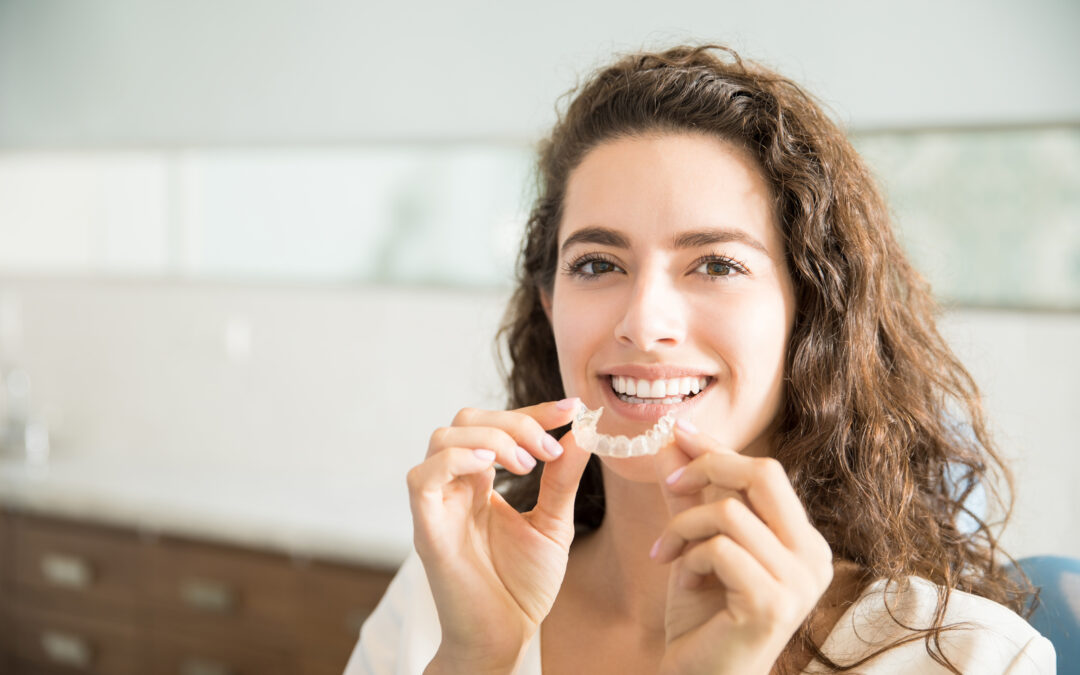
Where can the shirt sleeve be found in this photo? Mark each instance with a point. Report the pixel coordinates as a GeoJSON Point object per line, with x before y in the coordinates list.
{"type": "Point", "coordinates": [978, 636]}
{"type": "Point", "coordinates": [402, 634]}
{"type": "Point", "coordinates": [1036, 657]}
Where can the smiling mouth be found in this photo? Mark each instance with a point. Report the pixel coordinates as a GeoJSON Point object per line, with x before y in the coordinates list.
{"type": "Point", "coordinates": [657, 392]}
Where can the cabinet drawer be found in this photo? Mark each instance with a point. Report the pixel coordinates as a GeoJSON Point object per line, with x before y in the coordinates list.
{"type": "Point", "coordinates": [337, 600]}
{"type": "Point", "coordinates": [5, 554]}
{"type": "Point", "coordinates": [80, 569]}
{"type": "Point", "coordinates": [221, 591]}
{"type": "Point", "coordinates": [72, 645]}
{"type": "Point", "coordinates": [177, 655]}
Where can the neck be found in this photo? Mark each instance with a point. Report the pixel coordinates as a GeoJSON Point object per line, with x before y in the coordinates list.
{"type": "Point", "coordinates": [616, 555]}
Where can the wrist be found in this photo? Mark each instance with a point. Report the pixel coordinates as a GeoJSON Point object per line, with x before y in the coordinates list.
{"type": "Point", "coordinates": [452, 662]}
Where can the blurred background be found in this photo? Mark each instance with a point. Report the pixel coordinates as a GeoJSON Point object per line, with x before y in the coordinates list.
{"type": "Point", "coordinates": [253, 253]}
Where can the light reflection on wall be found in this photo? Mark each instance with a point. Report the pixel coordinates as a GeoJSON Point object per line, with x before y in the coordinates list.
{"type": "Point", "coordinates": [992, 218]}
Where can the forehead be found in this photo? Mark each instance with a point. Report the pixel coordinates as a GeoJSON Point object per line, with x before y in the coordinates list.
{"type": "Point", "coordinates": [652, 187]}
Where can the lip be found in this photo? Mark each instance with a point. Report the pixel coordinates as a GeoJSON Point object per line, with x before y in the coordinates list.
{"type": "Point", "coordinates": [650, 412]}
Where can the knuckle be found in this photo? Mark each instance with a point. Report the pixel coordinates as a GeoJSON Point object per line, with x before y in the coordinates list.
{"type": "Point", "coordinates": [783, 610]}
{"type": "Point", "coordinates": [438, 437]}
{"type": "Point", "coordinates": [721, 546]}
{"type": "Point", "coordinates": [729, 509]}
{"type": "Point", "coordinates": [827, 573]}
{"type": "Point", "coordinates": [526, 427]}
{"type": "Point", "coordinates": [412, 479]}
{"type": "Point", "coordinates": [826, 552]}
{"type": "Point", "coordinates": [463, 416]}
{"type": "Point", "coordinates": [769, 470]}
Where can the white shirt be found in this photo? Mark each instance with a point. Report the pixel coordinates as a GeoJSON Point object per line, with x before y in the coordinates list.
{"type": "Point", "coordinates": [402, 634]}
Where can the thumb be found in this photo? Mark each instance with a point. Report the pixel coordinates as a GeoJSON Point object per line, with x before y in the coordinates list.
{"type": "Point", "coordinates": [554, 512]}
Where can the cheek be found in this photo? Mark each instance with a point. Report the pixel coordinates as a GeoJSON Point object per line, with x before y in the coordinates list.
{"type": "Point", "coordinates": [578, 327]}
{"type": "Point", "coordinates": [749, 330]}
{"type": "Point", "coordinates": [751, 336]}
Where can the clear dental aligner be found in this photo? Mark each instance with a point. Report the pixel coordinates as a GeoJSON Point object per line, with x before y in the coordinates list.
{"type": "Point", "coordinates": [648, 443]}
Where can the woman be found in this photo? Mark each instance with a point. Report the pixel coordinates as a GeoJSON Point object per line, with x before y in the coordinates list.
{"type": "Point", "coordinates": [701, 224]}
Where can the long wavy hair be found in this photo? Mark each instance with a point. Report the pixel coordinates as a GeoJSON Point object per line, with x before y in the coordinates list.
{"type": "Point", "coordinates": [882, 431]}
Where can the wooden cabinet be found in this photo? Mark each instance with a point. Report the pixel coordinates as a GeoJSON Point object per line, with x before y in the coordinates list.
{"type": "Point", "coordinates": [82, 598]}
{"type": "Point", "coordinates": [5, 595]}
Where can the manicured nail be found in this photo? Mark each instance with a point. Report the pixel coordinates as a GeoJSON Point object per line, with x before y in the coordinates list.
{"type": "Point", "coordinates": [526, 460]}
{"type": "Point", "coordinates": [686, 425]}
{"type": "Point", "coordinates": [551, 445]}
{"type": "Point", "coordinates": [670, 480]}
{"type": "Point", "coordinates": [655, 549]}
{"type": "Point", "coordinates": [485, 455]}
{"type": "Point", "coordinates": [567, 403]}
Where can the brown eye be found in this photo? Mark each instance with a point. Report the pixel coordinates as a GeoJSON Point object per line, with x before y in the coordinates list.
{"type": "Point", "coordinates": [718, 269]}
{"type": "Point", "coordinates": [597, 267]}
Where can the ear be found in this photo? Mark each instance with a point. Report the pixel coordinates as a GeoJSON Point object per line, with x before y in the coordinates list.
{"type": "Point", "coordinates": [545, 302]}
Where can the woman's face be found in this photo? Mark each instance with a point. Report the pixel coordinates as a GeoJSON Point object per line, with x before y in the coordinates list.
{"type": "Point", "coordinates": [671, 270]}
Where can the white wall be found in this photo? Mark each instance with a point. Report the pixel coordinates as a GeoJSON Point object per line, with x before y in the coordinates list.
{"type": "Point", "coordinates": [353, 381]}
{"type": "Point", "coordinates": [145, 72]}
{"type": "Point", "coordinates": [129, 369]}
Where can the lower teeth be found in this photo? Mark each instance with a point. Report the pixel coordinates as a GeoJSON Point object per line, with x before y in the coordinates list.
{"type": "Point", "coordinates": [671, 400]}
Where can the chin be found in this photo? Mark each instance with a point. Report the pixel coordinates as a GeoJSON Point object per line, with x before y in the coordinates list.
{"type": "Point", "coordinates": [636, 469]}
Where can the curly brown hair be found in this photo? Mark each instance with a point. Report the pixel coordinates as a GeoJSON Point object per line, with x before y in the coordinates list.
{"type": "Point", "coordinates": [882, 430]}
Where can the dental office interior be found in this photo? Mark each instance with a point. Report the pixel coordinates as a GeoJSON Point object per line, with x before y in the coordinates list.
{"type": "Point", "coordinates": [253, 253]}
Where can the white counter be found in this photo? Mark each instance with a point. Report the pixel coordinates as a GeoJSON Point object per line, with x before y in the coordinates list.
{"type": "Point", "coordinates": [306, 513]}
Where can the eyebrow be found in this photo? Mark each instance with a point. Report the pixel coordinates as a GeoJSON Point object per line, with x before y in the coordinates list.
{"type": "Point", "coordinates": [692, 239]}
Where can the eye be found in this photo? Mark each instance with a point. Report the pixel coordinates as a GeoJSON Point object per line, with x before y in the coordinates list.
{"type": "Point", "coordinates": [590, 266]}
{"type": "Point", "coordinates": [596, 267]}
{"type": "Point", "coordinates": [719, 266]}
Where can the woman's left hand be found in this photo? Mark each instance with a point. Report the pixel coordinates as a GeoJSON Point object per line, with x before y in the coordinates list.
{"type": "Point", "coordinates": [747, 564]}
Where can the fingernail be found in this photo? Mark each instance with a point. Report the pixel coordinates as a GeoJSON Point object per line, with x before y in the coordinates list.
{"type": "Point", "coordinates": [526, 460]}
{"type": "Point", "coordinates": [551, 445]}
{"type": "Point", "coordinates": [655, 549]}
{"type": "Point", "coordinates": [686, 425]}
{"type": "Point", "coordinates": [670, 480]}
{"type": "Point", "coordinates": [567, 403]}
{"type": "Point", "coordinates": [485, 455]}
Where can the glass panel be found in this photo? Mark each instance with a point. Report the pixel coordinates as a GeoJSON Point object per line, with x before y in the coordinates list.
{"type": "Point", "coordinates": [83, 213]}
{"type": "Point", "coordinates": [417, 215]}
{"type": "Point", "coordinates": [992, 218]}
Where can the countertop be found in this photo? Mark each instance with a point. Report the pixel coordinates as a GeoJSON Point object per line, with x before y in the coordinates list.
{"type": "Point", "coordinates": [309, 512]}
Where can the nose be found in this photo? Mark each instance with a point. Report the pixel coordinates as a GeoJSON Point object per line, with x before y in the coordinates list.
{"type": "Point", "coordinates": [654, 315]}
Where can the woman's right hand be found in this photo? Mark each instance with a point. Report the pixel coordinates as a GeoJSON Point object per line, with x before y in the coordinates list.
{"type": "Point", "coordinates": [494, 572]}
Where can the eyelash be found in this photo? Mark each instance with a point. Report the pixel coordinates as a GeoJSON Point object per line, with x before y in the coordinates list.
{"type": "Point", "coordinates": [574, 268]}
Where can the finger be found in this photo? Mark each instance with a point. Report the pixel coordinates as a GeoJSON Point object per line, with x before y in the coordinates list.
{"type": "Point", "coordinates": [525, 425]}
{"type": "Point", "coordinates": [731, 564]}
{"type": "Point", "coordinates": [552, 414]}
{"type": "Point", "coordinates": [430, 480]}
{"type": "Point", "coordinates": [507, 452]}
{"type": "Point", "coordinates": [558, 489]}
{"type": "Point", "coordinates": [427, 480]}
{"type": "Point", "coordinates": [670, 459]}
{"type": "Point", "coordinates": [762, 479]}
{"type": "Point", "coordinates": [732, 518]}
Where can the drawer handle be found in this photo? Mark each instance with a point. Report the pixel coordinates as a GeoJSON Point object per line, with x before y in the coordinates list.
{"type": "Point", "coordinates": [68, 571]}
{"type": "Point", "coordinates": [208, 596]}
{"type": "Point", "coordinates": [196, 666]}
{"type": "Point", "coordinates": [66, 649]}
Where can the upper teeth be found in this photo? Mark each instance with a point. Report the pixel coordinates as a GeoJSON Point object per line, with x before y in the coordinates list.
{"type": "Point", "coordinates": [658, 388]}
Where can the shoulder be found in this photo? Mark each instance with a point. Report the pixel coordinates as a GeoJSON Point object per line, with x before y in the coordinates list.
{"type": "Point", "coordinates": [402, 635]}
{"type": "Point", "coordinates": [981, 635]}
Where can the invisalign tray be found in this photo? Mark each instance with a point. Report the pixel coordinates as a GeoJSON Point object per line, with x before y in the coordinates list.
{"type": "Point", "coordinates": [590, 440]}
